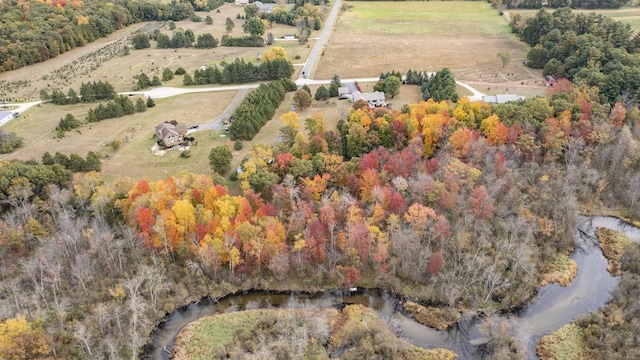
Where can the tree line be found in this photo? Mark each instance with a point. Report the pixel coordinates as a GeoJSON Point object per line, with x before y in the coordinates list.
{"type": "Point", "coordinates": [52, 28]}
{"type": "Point", "coordinates": [585, 48]}
{"type": "Point", "coordinates": [240, 71]}
{"type": "Point", "coordinates": [258, 107]}
{"type": "Point", "coordinates": [73, 162]}
{"type": "Point", "coordinates": [575, 4]}
{"type": "Point", "coordinates": [89, 92]}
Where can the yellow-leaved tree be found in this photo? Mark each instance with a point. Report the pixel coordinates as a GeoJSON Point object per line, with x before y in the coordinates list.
{"type": "Point", "coordinates": [274, 53]}
{"type": "Point", "coordinates": [20, 339]}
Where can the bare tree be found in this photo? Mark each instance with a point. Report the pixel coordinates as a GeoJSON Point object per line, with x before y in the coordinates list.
{"type": "Point", "coordinates": [82, 271]}
{"type": "Point", "coordinates": [84, 337]}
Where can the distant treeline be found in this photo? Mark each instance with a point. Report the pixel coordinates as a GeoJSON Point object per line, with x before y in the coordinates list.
{"type": "Point", "coordinates": [537, 4]}
{"type": "Point", "coordinates": [576, 4]}
{"type": "Point", "coordinates": [240, 71]}
{"type": "Point", "coordinates": [34, 31]}
{"type": "Point", "coordinates": [588, 49]}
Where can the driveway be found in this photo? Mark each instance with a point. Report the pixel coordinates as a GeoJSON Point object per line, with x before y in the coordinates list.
{"type": "Point", "coordinates": [316, 52]}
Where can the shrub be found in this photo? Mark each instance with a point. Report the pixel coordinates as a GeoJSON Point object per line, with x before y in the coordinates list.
{"type": "Point", "coordinates": [237, 145]}
{"type": "Point", "coordinates": [180, 71]}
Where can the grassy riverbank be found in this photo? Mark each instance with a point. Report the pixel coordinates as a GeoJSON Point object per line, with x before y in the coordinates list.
{"type": "Point", "coordinates": [565, 344]}
{"type": "Point", "coordinates": [561, 269]}
{"type": "Point", "coordinates": [433, 317]}
{"type": "Point", "coordinates": [353, 333]}
{"type": "Point", "coordinates": [613, 245]}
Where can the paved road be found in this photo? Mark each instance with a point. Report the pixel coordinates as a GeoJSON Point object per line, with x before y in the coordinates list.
{"type": "Point", "coordinates": [308, 67]}
{"type": "Point", "coordinates": [19, 108]}
{"type": "Point", "coordinates": [216, 124]}
{"type": "Point", "coordinates": [316, 51]}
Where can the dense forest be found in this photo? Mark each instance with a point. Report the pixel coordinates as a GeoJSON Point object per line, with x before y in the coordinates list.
{"type": "Point", "coordinates": [34, 31]}
{"type": "Point", "coordinates": [450, 203]}
{"type": "Point", "coordinates": [37, 30]}
{"type": "Point", "coordinates": [585, 48]}
{"type": "Point", "coordinates": [575, 4]}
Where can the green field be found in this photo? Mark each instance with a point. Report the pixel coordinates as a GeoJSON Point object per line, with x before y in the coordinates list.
{"type": "Point", "coordinates": [450, 19]}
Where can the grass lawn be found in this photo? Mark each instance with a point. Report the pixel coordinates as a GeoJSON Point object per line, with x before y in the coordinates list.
{"type": "Point", "coordinates": [134, 132]}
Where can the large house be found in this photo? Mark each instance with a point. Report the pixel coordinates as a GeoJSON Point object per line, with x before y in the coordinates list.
{"type": "Point", "coordinates": [501, 98]}
{"type": "Point", "coordinates": [375, 99]}
{"type": "Point", "coordinates": [171, 133]}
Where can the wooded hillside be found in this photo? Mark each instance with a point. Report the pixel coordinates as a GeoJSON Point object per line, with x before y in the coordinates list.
{"type": "Point", "coordinates": [34, 31]}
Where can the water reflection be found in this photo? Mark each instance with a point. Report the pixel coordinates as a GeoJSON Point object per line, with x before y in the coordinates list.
{"type": "Point", "coordinates": [552, 307]}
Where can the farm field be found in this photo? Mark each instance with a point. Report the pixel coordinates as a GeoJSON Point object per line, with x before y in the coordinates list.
{"type": "Point", "coordinates": [463, 36]}
{"type": "Point", "coordinates": [628, 15]}
{"type": "Point", "coordinates": [101, 60]}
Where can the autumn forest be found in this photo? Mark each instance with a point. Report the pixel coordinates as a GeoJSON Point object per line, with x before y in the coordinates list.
{"type": "Point", "coordinates": [451, 203]}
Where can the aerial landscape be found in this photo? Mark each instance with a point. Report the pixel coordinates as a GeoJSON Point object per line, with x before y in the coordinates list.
{"type": "Point", "coordinates": [313, 179]}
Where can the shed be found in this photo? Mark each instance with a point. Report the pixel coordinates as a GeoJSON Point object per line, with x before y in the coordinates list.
{"type": "Point", "coordinates": [501, 98]}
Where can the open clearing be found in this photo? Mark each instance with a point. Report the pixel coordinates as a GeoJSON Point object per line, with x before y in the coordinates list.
{"type": "Point", "coordinates": [627, 15]}
{"type": "Point", "coordinates": [375, 37]}
{"type": "Point", "coordinates": [134, 132]}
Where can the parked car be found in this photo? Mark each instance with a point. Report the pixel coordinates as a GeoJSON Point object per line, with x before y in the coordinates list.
{"type": "Point", "coordinates": [191, 127]}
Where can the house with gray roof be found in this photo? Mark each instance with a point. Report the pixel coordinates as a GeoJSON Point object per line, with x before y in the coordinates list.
{"type": "Point", "coordinates": [501, 98]}
{"type": "Point", "coordinates": [375, 99]}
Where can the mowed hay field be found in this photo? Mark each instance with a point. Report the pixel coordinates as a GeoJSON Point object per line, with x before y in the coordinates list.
{"type": "Point", "coordinates": [374, 37]}
{"type": "Point", "coordinates": [134, 133]}
{"type": "Point", "coordinates": [627, 15]}
{"type": "Point", "coordinates": [61, 72]}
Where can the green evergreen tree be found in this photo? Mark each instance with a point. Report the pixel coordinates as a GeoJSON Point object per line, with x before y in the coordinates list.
{"type": "Point", "coordinates": [141, 106]}
{"type": "Point", "coordinates": [187, 80]}
{"type": "Point", "coordinates": [322, 93]}
{"type": "Point", "coordinates": [167, 74]}
{"type": "Point", "coordinates": [150, 102]}
{"type": "Point", "coordinates": [443, 86]}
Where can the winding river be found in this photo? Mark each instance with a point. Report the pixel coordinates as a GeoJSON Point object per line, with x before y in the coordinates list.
{"type": "Point", "coordinates": [553, 307]}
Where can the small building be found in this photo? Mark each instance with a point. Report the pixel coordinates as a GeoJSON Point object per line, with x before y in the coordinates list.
{"type": "Point", "coordinates": [375, 99]}
{"type": "Point", "coordinates": [501, 98]}
{"type": "Point", "coordinates": [289, 37]}
{"type": "Point", "coordinates": [171, 134]}
{"type": "Point", "coordinates": [265, 8]}
{"type": "Point", "coordinates": [549, 81]}
{"type": "Point", "coordinates": [343, 92]}
{"type": "Point", "coordinates": [242, 2]}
